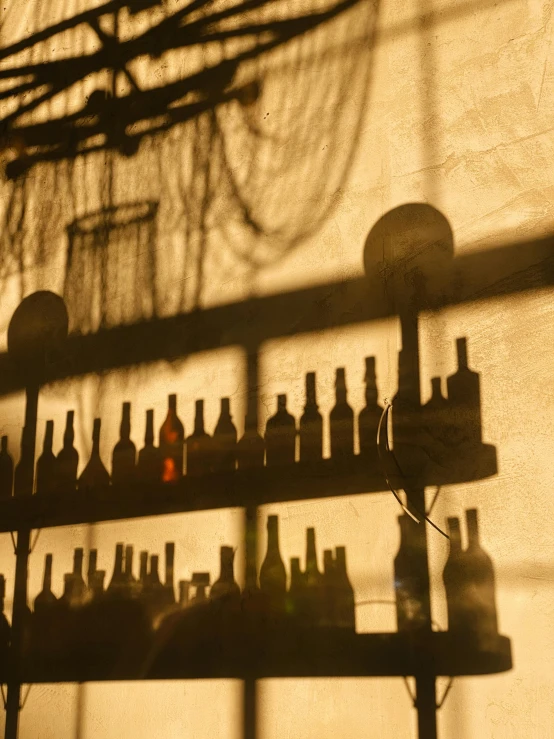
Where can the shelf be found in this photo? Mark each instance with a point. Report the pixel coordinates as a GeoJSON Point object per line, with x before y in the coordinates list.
{"type": "Point", "coordinates": [309, 655]}
{"type": "Point", "coordinates": [237, 489]}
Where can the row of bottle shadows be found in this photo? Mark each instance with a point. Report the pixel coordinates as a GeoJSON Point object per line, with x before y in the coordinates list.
{"type": "Point", "coordinates": [137, 622]}
{"type": "Point", "coordinates": [455, 421]}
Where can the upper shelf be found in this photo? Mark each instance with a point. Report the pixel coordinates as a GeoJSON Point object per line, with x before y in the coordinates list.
{"type": "Point", "coordinates": [325, 479]}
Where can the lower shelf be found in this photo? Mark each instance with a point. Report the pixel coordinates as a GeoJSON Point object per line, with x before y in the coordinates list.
{"type": "Point", "coordinates": [308, 655]}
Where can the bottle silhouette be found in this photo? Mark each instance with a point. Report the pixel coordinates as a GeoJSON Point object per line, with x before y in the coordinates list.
{"type": "Point", "coordinates": [23, 475]}
{"type": "Point", "coordinates": [200, 581]}
{"type": "Point", "coordinates": [94, 477]}
{"type": "Point", "coordinates": [280, 436]}
{"type": "Point", "coordinates": [92, 562]}
{"type": "Point", "coordinates": [341, 422]}
{"type": "Point", "coordinates": [331, 590]}
{"type": "Point", "coordinates": [297, 606]}
{"type": "Point", "coordinates": [131, 585]}
{"type": "Point", "coordinates": [6, 470]}
{"type": "Point", "coordinates": [199, 446]}
{"type": "Point", "coordinates": [251, 447]}
{"type": "Point", "coordinates": [172, 439]}
{"type": "Point", "coordinates": [479, 592]}
{"type": "Point", "coordinates": [435, 422]}
{"type": "Point", "coordinates": [453, 577]}
{"type": "Point", "coordinates": [273, 576]}
{"type": "Point", "coordinates": [225, 586]}
{"type": "Point", "coordinates": [155, 595]}
{"type": "Point", "coordinates": [370, 415]}
{"type": "Point", "coordinates": [313, 583]}
{"type": "Point", "coordinates": [150, 461]}
{"type": "Point", "coordinates": [410, 580]}
{"type": "Point", "coordinates": [68, 458]}
{"type": "Point", "coordinates": [124, 453]}
{"type": "Point", "coordinates": [75, 589]}
{"type": "Point", "coordinates": [116, 588]}
{"type": "Point", "coordinates": [311, 425]}
{"type": "Point", "coordinates": [464, 396]}
{"type": "Point", "coordinates": [46, 601]}
{"type": "Point", "coordinates": [169, 587]}
{"type": "Point", "coordinates": [344, 609]}
{"type": "Point", "coordinates": [224, 441]}
{"type": "Point", "coordinates": [95, 577]}
{"type": "Point", "coordinates": [5, 630]}
{"type": "Point", "coordinates": [143, 574]}
{"type": "Point", "coordinates": [184, 587]}
{"type": "Point", "coordinates": [47, 464]}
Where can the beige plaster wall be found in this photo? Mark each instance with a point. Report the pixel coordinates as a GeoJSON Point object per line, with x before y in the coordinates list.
{"type": "Point", "coordinates": [443, 102]}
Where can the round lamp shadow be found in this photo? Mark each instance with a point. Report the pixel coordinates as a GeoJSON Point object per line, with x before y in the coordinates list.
{"type": "Point", "coordinates": [37, 329]}
{"type": "Point", "coordinates": [408, 255]}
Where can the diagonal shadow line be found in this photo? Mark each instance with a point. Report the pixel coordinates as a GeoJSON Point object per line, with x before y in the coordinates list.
{"type": "Point", "coordinates": [499, 272]}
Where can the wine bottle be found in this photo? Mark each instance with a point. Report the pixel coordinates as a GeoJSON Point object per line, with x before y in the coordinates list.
{"type": "Point", "coordinates": [331, 591]}
{"type": "Point", "coordinates": [311, 425]}
{"type": "Point", "coordinates": [116, 588]}
{"type": "Point", "coordinates": [68, 458]}
{"type": "Point", "coordinates": [6, 470]}
{"type": "Point", "coordinates": [411, 582]}
{"type": "Point", "coordinates": [150, 461]}
{"type": "Point", "coordinates": [341, 422]}
{"type": "Point", "coordinates": [251, 447]}
{"type": "Point", "coordinates": [225, 587]}
{"type": "Point", "coordinates": [345, 608]}
{"type": "Point", "coordinates": [172, 438]}
{"type": "Point", "coordinates": [479, 595]}
{"type": "Point", "coordinates": [95, 477]}
{"type": "Point", "coordinates": [273, 576]}
{"type": "Point", "coordinates": [47, 464]}
{"type": "Point", "coordinates": [199, 446]}
{"type": "Point", "coordinates": [23, 475]}
{"type": "Point", "coordinates": [124, 453]}
{"type": "Point", "coordinates": [169, 587]}
{"type": "Point", "coordinates": [5, 630]}
{"type": "Point", "coordinates": [184, 587]}
{"type": "Point", "coordinates": [464, 396]}
{"type": "Point", "coordinates": [224, 440]}
{"type": "Point", "coordinates": [453, 577]}
{"type": "Point", "coordinates": [313, 583]}
{"type": "Point", "coordinates": [46, 600]}
{"type": "Point", "coordinates": [370, 415]}
{"type": "Point", "coordinates": [280, 436]}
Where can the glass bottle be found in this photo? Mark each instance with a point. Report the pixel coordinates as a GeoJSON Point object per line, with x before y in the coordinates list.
{"type": "Point", "coordinates": [296, 596]}
{"type": "Point", "coordinates": [370, 415]}
{"type": "Point", "coordinates": [150, 461]}
{"type": "Point", "coordinates": [464, 396]}
{"type": "Point", "coordinates": [331, 591]}
{"type": "Point", "coordinates": [124, 454]}
{"type": "Point", "coordinates": [5, 630]}
{"type": "Point", "coordinates": [411, 582]}
{"type": "Point", "coordinates": [345, 608]}
{"type": "Point", "coordinates": [6, 470]}
{"type": "Point", "coordinates": [116, 588]}
{"type": "Point", "coordinates": [224, 440]}
{"type": "Point", "coordinates": [95, 476]}
{"type": "Point", "coordinates": [341, 421]}
{"type": "Point", "coordinates": [273, 576]}
{"type": "Point", "coordinates": [199, 446]}
{"type": "Point", "coordinates": [46, 600]}
{"type": "Point", "coordinates": [47, 464]}
{"type": "Point", "coordinates": [172, 439]}
{"type": "Point", "coordinates": [68, 458]}
{"type": "Point", "coordinates": [453, 578]}
{"type": "Point", "coordinates": [311, 425]}
{"type": "Point", "coordinates": [23, 475]}
{"type": "Point", "coordinates": [251, 447]}
{"type": "Point", "coordinates": [280, 436]}
{"type": "Point", "coordinates": [480, 599]}
{"type": "Point", "coordinates": [225, 586]}
{"type": "Point", "coordinates": [313, 583]}
{"type": "Point", "coordinates": [169, 587]}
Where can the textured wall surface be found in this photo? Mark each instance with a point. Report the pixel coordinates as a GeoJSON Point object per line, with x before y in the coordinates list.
{"type": "Point", "coordinates": [446, 102]}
